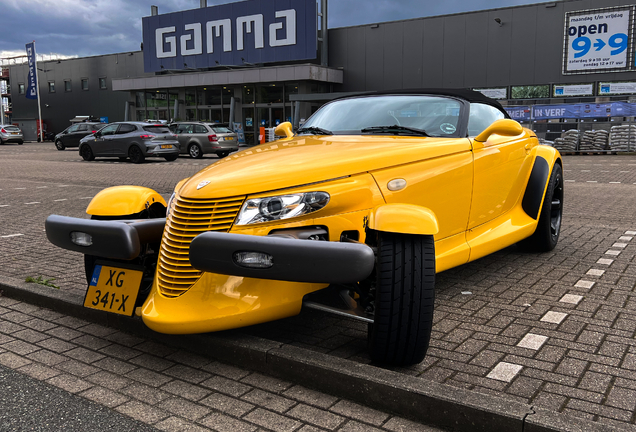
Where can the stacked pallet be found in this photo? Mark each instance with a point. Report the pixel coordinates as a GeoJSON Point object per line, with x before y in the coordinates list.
{"type": "Point", "coordinates": [568, 141]}
{"type": "Point", "coordinates": [623, 138]}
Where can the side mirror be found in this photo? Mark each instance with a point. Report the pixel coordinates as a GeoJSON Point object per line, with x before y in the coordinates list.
{"type": "Point", "coordinates": [284, 129]}
{"type": "Point", "coordinates": [505, 127]}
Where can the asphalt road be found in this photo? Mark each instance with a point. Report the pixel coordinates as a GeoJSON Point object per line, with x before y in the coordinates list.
{"type": "Point", "coordinates": [27, 404]}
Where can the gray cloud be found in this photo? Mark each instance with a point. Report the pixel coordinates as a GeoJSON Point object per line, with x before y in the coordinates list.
{"type": "Point", "coordinates": [93, 27]}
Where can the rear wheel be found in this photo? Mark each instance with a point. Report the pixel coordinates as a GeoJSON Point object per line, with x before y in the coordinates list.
{"type": "Point", "coordinates": [59, 145]}
{"type": "Point", "coordinates": [87, 153]}
{"type": "Point", "coordinates": [171, 158]}
{"type": "Point", "coordinates": [546, 236]}
{"type": "Point", "coordinates": [20, 142]}
{"type": "Point", "coordinates": [223, 154]}
{"type": "Point", "coordinates": [195, 151]}
{"type": "Point", "coordinates": [403, 299]}
{"type": "Point", "coordinates": [136, 155]}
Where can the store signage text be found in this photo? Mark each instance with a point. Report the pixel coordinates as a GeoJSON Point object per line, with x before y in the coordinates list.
{"type": "Point", "coordinates": [234, 34]}
{"type": "Point", "coordinates": [597, 40]}
{"type": "Point", "coordinates": [167, 45]}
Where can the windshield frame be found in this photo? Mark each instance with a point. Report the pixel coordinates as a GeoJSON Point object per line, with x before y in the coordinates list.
{"type": "Point", "coordinates": [462, 120]}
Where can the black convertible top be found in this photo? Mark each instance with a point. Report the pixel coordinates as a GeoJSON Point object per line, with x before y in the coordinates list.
{"type": "Point", "coordinates": [467, 95]}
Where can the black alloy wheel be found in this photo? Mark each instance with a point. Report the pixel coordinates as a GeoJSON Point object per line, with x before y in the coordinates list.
{"type": "Point", "coordinates": [59, 145]}
{"type": "Point", "coordinates": [136, 155]}
{"type": "Point", "coordinates": [87, 153]}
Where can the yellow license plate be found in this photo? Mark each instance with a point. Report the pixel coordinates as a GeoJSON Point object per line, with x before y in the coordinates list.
{"type": "Point", "coordinates": [166, 146]}
{"type": "Point", "coordinates": [229, 138]}
{"type": "Point", "coordinates": [113, 289]}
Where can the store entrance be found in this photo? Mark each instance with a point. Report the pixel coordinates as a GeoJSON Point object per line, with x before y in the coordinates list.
{"type": "Point", "coordinates": [267, 116]}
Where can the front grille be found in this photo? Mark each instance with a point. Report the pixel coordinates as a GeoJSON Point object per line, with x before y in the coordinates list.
{"type": "Point", "coordinates": [188, 218]}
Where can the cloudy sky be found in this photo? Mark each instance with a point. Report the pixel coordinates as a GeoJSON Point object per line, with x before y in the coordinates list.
{"type": "Point", "coordinates": [92, 27]}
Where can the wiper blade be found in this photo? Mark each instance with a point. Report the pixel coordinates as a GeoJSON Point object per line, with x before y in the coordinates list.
{"type": "Point", "coordinates": [316, 130]}
{"type": "Point", "coordinates": [394, 128]}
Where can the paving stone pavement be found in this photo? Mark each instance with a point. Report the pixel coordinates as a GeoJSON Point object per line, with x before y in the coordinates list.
{"type": "Point", "coordinates": [553, 330]}
{"type": "Point", "coordinates": [171, 389]}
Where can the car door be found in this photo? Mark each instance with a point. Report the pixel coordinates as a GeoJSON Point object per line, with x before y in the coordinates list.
{"type": "Point", "coordinates": [71, 137]}
{"type": "Point", "coordinates": [123, 138]}
{"type": "Point", "coordinates": [184, 132]}
{"type": "Point", "coordinates": [501, 165]}
{"type": "Point", "coordinates": [102, 144]}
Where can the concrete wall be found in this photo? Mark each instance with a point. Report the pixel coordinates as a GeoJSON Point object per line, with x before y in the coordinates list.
{"type": "Point", "coordinates": [463, 50]}
{"type": "Point", "coordinates": [63, 105]}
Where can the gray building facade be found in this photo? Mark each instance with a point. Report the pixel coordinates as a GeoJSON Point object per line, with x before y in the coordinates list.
{"type": "Point", "coordinates": [518, 49]}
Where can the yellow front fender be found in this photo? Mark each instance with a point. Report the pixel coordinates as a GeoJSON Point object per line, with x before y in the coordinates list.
{"type": "Point", "coordinates": [123, 200]}
{"type": "Point", "coordinates": [404, 219]}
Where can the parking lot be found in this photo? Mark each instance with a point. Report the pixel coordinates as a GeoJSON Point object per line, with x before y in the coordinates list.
{"type": "Point", "coordinates": [553, 330]}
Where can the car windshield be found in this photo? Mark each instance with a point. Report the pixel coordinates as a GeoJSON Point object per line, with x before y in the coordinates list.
{"type": "Point", "coordinates": [388, 114]}
{"type": "Point", "coordinates": [157, 129]}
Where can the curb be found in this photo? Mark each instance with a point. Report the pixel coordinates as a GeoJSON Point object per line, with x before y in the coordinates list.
{"type": "Point", "coordinates": [431, 403]}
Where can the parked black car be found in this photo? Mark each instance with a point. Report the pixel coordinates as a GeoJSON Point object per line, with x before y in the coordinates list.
{"type": "Point", "coordinates": [71, 136]}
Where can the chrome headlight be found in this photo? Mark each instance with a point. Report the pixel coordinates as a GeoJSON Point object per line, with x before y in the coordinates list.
{"type": "Point", "coordinates": [170, 204]}
{"type": "Point", "coordinates": [256, 210]}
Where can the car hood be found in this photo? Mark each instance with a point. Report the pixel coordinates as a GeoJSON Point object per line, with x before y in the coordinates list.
{"type": "Point", "coordinates": [308, 159]}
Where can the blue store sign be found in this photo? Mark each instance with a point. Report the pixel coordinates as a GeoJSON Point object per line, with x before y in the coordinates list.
{"type": "Point", "coordinates": [519, 113]}
{"type": "Point", "coordinates": [248, 32]}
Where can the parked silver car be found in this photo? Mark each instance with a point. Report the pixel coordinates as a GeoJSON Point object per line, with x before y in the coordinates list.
{"type": "Point", "coordinates": [11, 134]}
{"type": "Point", "coordinates": [134, 140]}
{"type": "Point", "coordinates": [198, 138]}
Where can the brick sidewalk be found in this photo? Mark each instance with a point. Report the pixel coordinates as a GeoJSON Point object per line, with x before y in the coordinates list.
{"type": "Point", "coordinates": [553, 330]}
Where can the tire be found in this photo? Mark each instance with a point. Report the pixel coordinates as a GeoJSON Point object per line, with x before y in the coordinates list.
{"type": "Point", "coordinates": [87, 153]}
{"type": "Point", "coordinates": [171, 158]}
{"type": "Point", "coordinates": [404, 299]}
{"type": "Point", "coordinates": [59, 145]}
{"type": "Point", "coordinates": [20, 142]}
{"type": "Point", "coordinates": [195, 151]}
{"type": "Point", "coordinates": [136, 155]}
{"type": "Point", "coordinates": [221, 155]}
{"type": "Point", "coordinates": [546, 236]}
{"type": "Point", "coordinates": [148, 259]}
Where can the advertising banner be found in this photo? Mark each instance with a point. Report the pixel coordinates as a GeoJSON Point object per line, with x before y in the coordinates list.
{"type": "Point", "coordinates": [32, 80]}
{"type": "Point", "coordinates": [617, 88]}
{"type": "Point", "coordinates": [597, 40]}
{"type": "Point", "coordinates": [519, 113]}
{"type": "Point", "coordinates": [494, 93]}
{"type": "Point", "coordinates": [234, 34]}
{"type": "Point", "coordinates": [544, 112]}
{"type": "Point", "coordinates": [573, 90]}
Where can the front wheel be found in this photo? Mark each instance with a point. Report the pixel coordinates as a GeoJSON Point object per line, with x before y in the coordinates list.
{"type": "Point", "coordinates": [546, 236]}
{"type": "Point", "coordinates": [223, 154]}
{"type": "Point", "coordinates": [136, 155]}
{"type": "Point", "coordinates": [195, 151]}
{"type": "Point", "coordinates": [87, 153]}
{"type": "Point", "coordinates": [59, 145]}
{"type": "Point", "coordinates": [403, 299]}
{"type": "Point", "coordinates": [171, 158]}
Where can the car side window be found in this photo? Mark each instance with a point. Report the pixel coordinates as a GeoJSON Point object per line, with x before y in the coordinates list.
{"type": "Point", "coordinates": [83, 127]}
{"type": "Point", "coordinates": [126, 128]}
{"type": "Point", "coordinates": [184, 129]}
{"type": "Point", "coordinates": [109, 130]}
{"type": "Point", "coordinates": [481, 116]}
{"type": "Point", "coordinates": [200, 129]}
{"type": "Point", "coordinates": [74, 128]}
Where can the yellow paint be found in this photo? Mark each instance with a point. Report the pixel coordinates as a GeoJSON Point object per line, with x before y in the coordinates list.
{"type": "Point", "coordinates": [284, 129]}
{"type": "Point", "coordinates": [123, 200]}
{"type": "Point", "coordinates": [403, 218]}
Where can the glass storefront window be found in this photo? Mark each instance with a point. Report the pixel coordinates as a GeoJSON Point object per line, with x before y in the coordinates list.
{"type": "Point", "coordinates": [151, 115]}
{"type": "Point", "coordinates": [204, 115]}
{"type": "Point", "coordinates": [271, 93]}
{"type": "Point", "coordinates": [140, 99]}
{"type": "Point", "coordinates": [248, 94]}
{"type": "Point", "coordinates": [208, 96]}
{"type": "Point", "coordinates": [141, 115]}
{"type": "Point", "coordinates": [215, 116]}
{"type": "Point", "coordinates": [226, 115]}
{"type": "Point", "coordinates": [190, 97]}
{"type": "Point", "coordinates": [227, 94]}
{"type": "Point", "coordinates": [289, 90]}
{"type": "Point", "coordinates": [191, 114]}
{"type": "Point", "coordinates": [157, 99]}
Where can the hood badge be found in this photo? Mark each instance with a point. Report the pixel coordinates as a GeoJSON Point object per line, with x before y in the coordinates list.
{"type": "Point", "coordinates": [203, 184]}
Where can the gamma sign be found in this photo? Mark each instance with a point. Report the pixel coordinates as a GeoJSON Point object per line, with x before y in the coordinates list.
{"type": "Point", "coordinates": [113, 289]}
{"type": "Point", "coordinates": [597, 40]}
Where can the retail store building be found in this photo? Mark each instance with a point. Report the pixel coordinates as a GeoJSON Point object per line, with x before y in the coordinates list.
{"type": "Point", "coordinates": [556, 66]}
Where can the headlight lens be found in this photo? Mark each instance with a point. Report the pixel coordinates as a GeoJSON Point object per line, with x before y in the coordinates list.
{"type": "Point", "coordinates": [170, 204]}
{"type": "Point", "coordinates": [256, 210]}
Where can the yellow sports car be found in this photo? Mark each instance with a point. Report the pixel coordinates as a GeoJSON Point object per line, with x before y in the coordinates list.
{"type": "Point", "coordinates": [354, 214]}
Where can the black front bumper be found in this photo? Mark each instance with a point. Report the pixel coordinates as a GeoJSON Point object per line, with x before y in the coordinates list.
{"type": "Point", "coordinates": [294, 260]}
{"type": "Point", "coordinates": [120, 239]}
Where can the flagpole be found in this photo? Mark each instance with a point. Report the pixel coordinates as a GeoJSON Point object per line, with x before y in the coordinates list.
{"type": "Point", "coordinates": [37, 80]}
